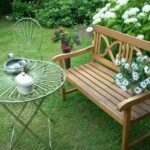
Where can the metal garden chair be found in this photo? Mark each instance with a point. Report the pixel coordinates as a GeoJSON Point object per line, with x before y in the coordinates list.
{"type": "Point", "coordinates": [28, 36]}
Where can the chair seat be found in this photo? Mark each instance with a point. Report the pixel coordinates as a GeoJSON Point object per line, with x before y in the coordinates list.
{"type": "Point", "coordinates": [96, 82]}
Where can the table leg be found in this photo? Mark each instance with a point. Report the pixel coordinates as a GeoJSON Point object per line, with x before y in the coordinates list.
{"type": "Point", "coordinates": [26, 125]}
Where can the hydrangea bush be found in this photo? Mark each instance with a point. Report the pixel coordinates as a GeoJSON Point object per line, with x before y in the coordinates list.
{"type": "Point", "coordinates": [127, 16]}
{"type": "Point", "coordinates": [135, 76]}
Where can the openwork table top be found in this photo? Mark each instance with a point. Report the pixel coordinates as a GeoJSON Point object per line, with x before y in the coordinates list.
{"type": "Point", "coordinates": [48, 77]}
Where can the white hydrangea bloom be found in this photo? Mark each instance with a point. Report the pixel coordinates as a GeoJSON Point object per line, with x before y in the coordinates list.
{"type": "Point", "coordinates": [141, 37]}
{"type": "Point", "coordinates": [109, 15]}
{"type": "Point", "coordinates": [130, 20]}
{"type": "Point", "coordinates": [146, 8]}
{"type": "Point", "coordinates": [97, 20]}
{"type": "Point", "coordinates": [125, 16]}
{"type": "Point", "coordinates": [142, 14]}
{"type": "Point", "coordinates": [122, 2]}
{"type": "Point", "coordinates": [108, 5]}
{"type": "Point", "coordinates": [138, 24]}
{"type": "Point", "coordinates": [89, 29]}
{"type": "Point", "coordinates": [96, 16]}
{"type": "Point", "coordinates": [133, 11]}
{"type": "Point", "coordinates": [104, 9]}
{"type": "Point", "coordinates": [137, 90]}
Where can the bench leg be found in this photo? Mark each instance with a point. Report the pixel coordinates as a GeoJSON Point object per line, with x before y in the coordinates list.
{"type": "Point", "coordinates": [125, 132]}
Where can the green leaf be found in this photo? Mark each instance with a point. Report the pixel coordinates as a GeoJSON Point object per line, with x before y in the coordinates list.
{"type": "Point", "coordinates": [146, 27]}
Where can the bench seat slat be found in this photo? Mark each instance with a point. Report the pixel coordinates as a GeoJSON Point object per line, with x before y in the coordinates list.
{"type": "Point", "coordinates": [93, 81]}
{"type": "Point", "coordinates": [100, 81]}
{"type": "Point", "coordinates": [98, 99]}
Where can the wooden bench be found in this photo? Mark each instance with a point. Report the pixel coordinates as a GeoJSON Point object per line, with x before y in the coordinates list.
{"type": "Point", "coordinates": [95, 79]}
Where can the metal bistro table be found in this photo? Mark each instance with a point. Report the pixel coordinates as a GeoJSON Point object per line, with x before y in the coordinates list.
{"type": "Point", "coordinates": [48, 77]}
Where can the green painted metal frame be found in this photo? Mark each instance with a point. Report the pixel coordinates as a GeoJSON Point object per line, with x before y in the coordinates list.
{"type": "Point", "coordinates": [28, 36]}
{"type": "Point", "coordinates": [48, 78]}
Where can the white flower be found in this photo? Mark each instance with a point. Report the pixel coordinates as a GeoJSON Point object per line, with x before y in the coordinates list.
{"type": "Point", "coordinates": [137, 90]}
{"type": "Point", "coordinates": [125, 82]}
{"type": "Point", "coordinates": [133, 11]}
{"type": "Point", "coordinates": [138, 24]}
{"type": "Point", "coordinates": [147, 70]}
{"type": "Point", "coordinates": [96, 16]}
{"type": "Point", "coordinates": [127, 66]}
{"type": "Point", "coordinates": [125, 16]}
{"type": "Point", "coordinates": [146, 8]}
{"type": "Point", "coordinates": [118, 82]}
{"type": "Point", "coordinates": [130, 20]}
{"type": "Point", "coordinates": [108, 5]}
{"type": "Point", "coordinates": [141, 37]}
{"type": "Point", "coordinates": [122, 2]}
{"type": "Point", "coordinates": [147, 81]}
{"type": "Point", "coordinates": [142, 14]}
{"type": "Point", "coordinates": [135, 76]}
{"type": "Point", "coordinates": [123, 61]}
{"type": "Point", "coordinates": [109, 15]}
{"type": "Point", "coordinates": [143, 85]}
{"type": "Point", "coordinates": [124, 88]}
{"type": "Point", "coordinates": [89, 29]}
{"type": "Point", "coordinates": [117, 62]}
{"type": "Point", "coordinates": [145, 58]}
{"type": "Point", "coordinates": [104, 9]}
{"type": "Point", "coordinates": [130, 12]}
{"type": "Point", "coordinates": [134, 66]}
{"type": "Point", "coordinates": [119, 76]}
{"type": "Point", "coordinates": [97, 20]}
{"type": "Point", "coordinates": [139, 54]}
{"type": "Point", "coordinates": [117, 7]}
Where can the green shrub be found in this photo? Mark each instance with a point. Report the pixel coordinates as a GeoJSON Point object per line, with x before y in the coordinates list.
{"type": "Point", "coordinates": [127, 16]}
{"type": "Point", "coordinates": [54, 13]}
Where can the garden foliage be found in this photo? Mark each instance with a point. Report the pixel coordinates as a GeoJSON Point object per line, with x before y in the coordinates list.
{"type": "Point", "coordinates": [127, 16]}
{"type": "Point", "coordinates": [54, 13]}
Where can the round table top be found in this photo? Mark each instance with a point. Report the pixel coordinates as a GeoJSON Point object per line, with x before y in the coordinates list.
{"type": "Point", "coordinates": [47, 76]}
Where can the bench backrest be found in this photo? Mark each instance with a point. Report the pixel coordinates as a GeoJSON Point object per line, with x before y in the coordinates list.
{"type": "Point", "coordinates": [107, 41]}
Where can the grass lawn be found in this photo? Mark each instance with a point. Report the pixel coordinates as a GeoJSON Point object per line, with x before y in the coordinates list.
{"type": "Point", "coordinates": [77, 124]}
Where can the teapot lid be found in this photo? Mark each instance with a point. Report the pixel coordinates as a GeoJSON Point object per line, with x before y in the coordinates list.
{"type": "Point", "coordinates": [23, 79]}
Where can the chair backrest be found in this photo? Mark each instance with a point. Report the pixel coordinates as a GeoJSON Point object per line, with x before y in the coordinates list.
{"type": "Point", "coordinates": [28, 36]}
{"type": "Point", "coordinates": [110, 45]}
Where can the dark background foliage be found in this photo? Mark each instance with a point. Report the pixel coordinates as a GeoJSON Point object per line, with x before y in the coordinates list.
{"type": "Point", "coordinates": [5, 7]}
{"type": "Point", "coordinates": [54, 13]}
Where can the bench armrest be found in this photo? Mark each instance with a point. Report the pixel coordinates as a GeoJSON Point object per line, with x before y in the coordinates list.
{"type": "Point", "coordinates": [73, 54]}
{"type": "Point", "coordinates": [133, 100]}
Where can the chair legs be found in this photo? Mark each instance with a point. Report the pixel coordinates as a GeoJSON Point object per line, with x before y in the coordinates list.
{"type": "Point", "coordinates": [125, 131]}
